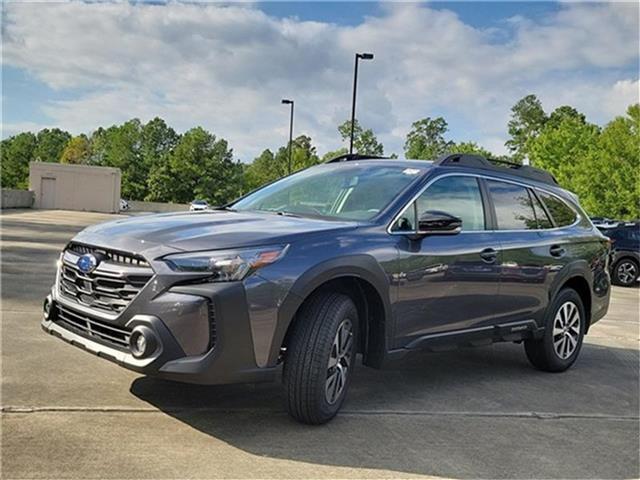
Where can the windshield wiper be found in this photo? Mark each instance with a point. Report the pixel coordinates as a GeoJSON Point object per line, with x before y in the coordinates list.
{"type": "Point", "coordinates": [283, 213]}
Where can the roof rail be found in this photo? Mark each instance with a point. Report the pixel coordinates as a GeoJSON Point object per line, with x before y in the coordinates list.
{"type": "Point", "coordinates": [478, 161]}
{"type": "Point", "coordinates": [349, 157]}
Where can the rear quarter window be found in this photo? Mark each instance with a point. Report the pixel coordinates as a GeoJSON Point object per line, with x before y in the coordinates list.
{"type": "Point", "coordinates": [562, 214]}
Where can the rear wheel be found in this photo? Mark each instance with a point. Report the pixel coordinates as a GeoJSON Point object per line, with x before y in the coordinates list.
{"type": "Point", "coordinates": [625, 272]}
{"type": "Point", "coordinates": [320, 357]}
{"type": "Point", "coordinates": [558, 349]}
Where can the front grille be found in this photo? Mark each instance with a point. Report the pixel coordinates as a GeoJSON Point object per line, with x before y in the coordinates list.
{"type": "Point", "coordinates": [114, 336]}
{"type": "Point", "coordinates": [114, 256]}
{"type": "Point", "coordinates": [109, 288]}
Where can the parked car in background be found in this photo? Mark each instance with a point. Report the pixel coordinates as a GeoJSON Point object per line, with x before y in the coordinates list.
{"type": "Point", "coordinates": [124, 205]}
{"type": "Point", "coordinates": [625, 252]}
{"type": "Point", "coordinates": [379, 257]}
{"type": "Point", "coordinates": [198, 205]}
{"type": "Point", "coordinates": [604, 222]}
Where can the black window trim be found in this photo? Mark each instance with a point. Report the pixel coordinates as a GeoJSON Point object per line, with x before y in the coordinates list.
{"type": "Point", "coordinates": [546, 210]}
{"type": "Point", "coordinates": [494, 229]}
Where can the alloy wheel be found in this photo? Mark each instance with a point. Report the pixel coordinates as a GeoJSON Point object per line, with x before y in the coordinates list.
{"type": "Point", "coordinates": [566, 330]}
{"type": "Point", "coordinates": [339, 361]}
{"type": "Point", "coordinates": [626, 272]}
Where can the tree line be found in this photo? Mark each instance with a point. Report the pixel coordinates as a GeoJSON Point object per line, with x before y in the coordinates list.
{"type": "Point", "coordinates": [601, 165]}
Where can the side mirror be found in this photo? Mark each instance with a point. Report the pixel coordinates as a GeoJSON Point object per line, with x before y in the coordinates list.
{"type": "Point", "coordinates": [434, 222]}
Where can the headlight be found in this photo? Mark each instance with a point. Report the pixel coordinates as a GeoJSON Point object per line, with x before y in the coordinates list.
{"type": "Point", "coordinates": [226, 265]}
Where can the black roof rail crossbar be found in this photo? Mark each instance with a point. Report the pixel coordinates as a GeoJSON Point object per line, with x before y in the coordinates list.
{"type": "Point", "coordinates": [348, 157]}
{"type": "Point", "coordinates": [478, 161]}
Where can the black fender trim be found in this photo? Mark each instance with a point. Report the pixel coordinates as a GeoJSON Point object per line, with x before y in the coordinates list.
{"type": "Point", "coordinates": [364, 267]}
{"type": "Point", "coordinates": [577, 269]}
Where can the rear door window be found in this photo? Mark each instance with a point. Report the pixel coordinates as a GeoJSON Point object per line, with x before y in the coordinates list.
{"type": "Point", "coordinates": [513, 206]}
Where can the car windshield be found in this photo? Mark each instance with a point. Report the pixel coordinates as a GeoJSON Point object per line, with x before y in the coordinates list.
{"type": "Point", "coordinates": [355, 191]}
{"type": "Point", "coordinates": [199, 202]}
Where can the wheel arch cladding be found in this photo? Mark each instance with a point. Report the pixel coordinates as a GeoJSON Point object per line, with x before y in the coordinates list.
{"type": "Point", "coordinates": [363, 280]}
{"type": "Point", "coordinates": [581, 286]}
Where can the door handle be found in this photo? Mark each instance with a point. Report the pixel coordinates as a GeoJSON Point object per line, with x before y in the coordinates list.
{"type": "Point", "coordinates": [557, 251]}
{"type": "Point", "coordinates": [489, 255]}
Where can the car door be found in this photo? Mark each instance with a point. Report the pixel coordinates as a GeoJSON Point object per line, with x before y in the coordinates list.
{"type": "Point", "coordinates": [526, 254]}
{"type": "Point", "coordinates": [445, 283]}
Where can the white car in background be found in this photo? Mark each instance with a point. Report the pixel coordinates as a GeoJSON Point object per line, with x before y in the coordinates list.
{"type": "Point", "coordinates": [124, 205]}
{"type": "Point", "coordinates": [198, 205]}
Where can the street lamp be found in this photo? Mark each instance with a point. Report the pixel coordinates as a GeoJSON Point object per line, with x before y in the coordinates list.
{"type": "Point", "coordinates": [363, 56]}
{"type": "Point", "coordinates": [289, 102]}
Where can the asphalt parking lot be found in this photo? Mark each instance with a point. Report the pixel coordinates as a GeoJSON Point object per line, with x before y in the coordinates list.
{"type": "Point", "coordinates": [472, 413]}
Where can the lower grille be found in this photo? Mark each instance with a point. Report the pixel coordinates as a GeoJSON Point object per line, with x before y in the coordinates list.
{"type": "Point", "coordinates": [212, 326]}
{"type": "Point", "coordinates": [114, 336]}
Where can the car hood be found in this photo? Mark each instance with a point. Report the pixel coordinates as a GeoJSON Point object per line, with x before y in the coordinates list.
{"type": "Point", "coordinates": [191, 231]}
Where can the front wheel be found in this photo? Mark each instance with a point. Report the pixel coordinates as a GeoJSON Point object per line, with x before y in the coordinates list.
{"type": "Point", "coordinates": [565, 325]}
{"type": "Point", "coordinates": [320, 357]}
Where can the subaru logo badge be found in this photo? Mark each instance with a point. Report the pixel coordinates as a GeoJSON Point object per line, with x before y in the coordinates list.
{"type": "Point", "coordinates": [87, 263]}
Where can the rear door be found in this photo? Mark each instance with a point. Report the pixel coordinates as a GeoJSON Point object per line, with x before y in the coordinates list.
{"type": "Point", "coordinates": [526, 255]}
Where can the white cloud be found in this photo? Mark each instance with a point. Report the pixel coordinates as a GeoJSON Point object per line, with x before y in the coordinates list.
{"type": "Point", "coordinates": [9, 129]}
{"type": "Point", "coordinates": [227, 67]}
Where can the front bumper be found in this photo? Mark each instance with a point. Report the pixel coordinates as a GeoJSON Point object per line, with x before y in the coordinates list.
{"type": "Point", "coordinates": [229, 359]}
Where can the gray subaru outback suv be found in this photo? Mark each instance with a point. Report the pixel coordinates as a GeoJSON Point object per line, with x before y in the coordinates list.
{"type": "Point", "coordinates": [359, 255]}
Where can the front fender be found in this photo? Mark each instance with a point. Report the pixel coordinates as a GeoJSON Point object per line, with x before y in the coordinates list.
{"type": "Point", "coordinates": [360, 266]}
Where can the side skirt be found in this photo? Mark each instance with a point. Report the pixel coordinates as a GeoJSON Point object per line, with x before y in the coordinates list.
{"type": "Point", "coordinates": [472, 337]}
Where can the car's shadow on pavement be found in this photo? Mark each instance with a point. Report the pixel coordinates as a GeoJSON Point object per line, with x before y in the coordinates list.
{"type": "Point", "coordinates": [470, 413]}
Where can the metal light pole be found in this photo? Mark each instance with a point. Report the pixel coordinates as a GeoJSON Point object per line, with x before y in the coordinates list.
{"type": "Point", "coordinates": [289, 102]}
{"type": "Point", "coordinates": [363, 56]}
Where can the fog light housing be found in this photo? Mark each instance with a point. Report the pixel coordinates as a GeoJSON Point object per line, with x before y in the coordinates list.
{"type": "Point", "coordinates": [48, 308]}
{"type": "Point", "coordinates": [142, 342]}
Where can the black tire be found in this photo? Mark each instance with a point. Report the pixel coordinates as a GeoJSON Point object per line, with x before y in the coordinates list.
{"type": "Point", "coordinates": [309, 349]}
{"type": "Point", "coordinates": [548, 353]}
{"type": "Point", "coordinates": [625, 272]}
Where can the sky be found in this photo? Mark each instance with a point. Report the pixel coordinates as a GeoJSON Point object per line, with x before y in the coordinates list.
{"type": "Point", "coordinates": [78, 66]}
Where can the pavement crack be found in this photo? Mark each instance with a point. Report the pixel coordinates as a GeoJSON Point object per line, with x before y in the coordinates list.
{"type": "Point", "coordinates": [471, 414]}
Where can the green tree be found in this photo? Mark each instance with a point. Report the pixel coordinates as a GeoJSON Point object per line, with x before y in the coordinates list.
{"type": "Point", "coordinates": [527, 120]}
{"type": "Point", "coordinates": [16, 153]}
{"type": "Point", "coordinates": [51, 144]}
{"type": "Point", "coordinates": [565, 149]}
{"type": "Point", "coordinates": [77, 151]}
{"type": "Point", "coordinates": [563, 112]}
{"type": "Point", "coordinates": [261, 171]}
{"type": "Point", "coordinates": [200, 166]}
{"type": "Point", "coordinates": [364, 140]}
{"type": "Point", "coordinates": [269, 167]}
{"type": "Point", "coordinates": [426, 139]}
{"type": "Point", "coordinates": [612, 178]}
{"type": "Point", "coordinates": [120, 146]}
{"type": "Point", "coordinates": [156, 143]}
